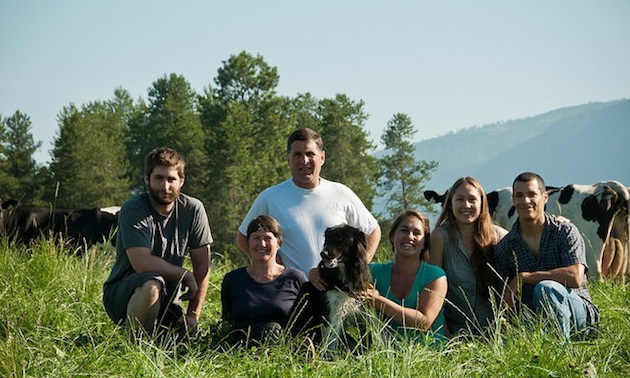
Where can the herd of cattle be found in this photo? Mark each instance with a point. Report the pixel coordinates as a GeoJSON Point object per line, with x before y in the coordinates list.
{"type": "Point", "coordinates": [26, 223]}
{"type": "Point", "coordinates": [600, 212]}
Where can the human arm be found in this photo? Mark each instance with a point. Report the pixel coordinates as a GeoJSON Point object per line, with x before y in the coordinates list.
{"type": "Point", "coordinates": [315, 279]}
{"type": "Point", "coordinates": [570, 276]}
{"type": "Point", "coordinates": [142, 261]}
{"type": "Point", "coordinates": [436, 254]}
{"type": "Point", "coordinates": [200, 258]}
{"type": "Point", "coordinates": [373, 240]}
{"type": "Point", "coordinates": [504, 260]}
{"type": "Point", "coordinates": [430, 302]}
{"type": "Point", "coordinates": [568, 266]}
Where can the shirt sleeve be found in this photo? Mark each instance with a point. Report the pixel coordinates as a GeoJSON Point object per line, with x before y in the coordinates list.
{"type": "Point", "coordinates": [501, 259]}
{"type": "Point", "coordinates": [134, 227]}
{"type": "Point", "coordinates": [573, 250]}
{"type": "Point", "coordinates": [200, 229]}
{"type": "Point", "coordinates": [358, 215]}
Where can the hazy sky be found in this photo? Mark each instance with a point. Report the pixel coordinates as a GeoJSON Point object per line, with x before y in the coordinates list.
{"type": "Point", "coordinates": [447, 64]}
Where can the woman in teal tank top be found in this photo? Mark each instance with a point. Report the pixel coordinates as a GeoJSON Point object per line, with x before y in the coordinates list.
{"type": "Point", "coordinates": [408, 291]}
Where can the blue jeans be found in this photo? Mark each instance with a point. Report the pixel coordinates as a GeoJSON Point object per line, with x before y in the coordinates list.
{"type": "Point", "coordinates": [569, 308]}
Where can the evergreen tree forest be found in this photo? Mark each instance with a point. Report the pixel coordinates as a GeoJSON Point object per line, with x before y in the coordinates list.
{"type": "Point", "coordinates": [233, 136]}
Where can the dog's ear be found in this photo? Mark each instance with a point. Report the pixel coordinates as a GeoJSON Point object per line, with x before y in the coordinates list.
{"type": "Point", "coordinates": [360, 244]}
{"type": "Point", "coordinates": [333, 235]}
{"type": "Point", "coordinates": [327, 234]}
{"type": "Point", "coordinates": [359, 272]}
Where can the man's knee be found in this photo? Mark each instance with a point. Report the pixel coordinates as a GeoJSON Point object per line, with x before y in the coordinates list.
{"type": "Point", "coordinates": [549, 291]}
{"type": "Point", "coordinates": [148, 293]}
{"type": "Point", "coordinates": [144, 305]}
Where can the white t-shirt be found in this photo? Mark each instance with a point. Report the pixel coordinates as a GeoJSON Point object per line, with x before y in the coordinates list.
{"type": "Point", "coordinates": [304, 215]}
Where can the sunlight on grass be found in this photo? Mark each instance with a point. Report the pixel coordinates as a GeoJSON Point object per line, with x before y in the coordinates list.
{"type": "Point", "coordinates": [52, 323]}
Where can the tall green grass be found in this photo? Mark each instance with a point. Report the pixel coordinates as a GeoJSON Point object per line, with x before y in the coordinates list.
{"type": "Point", "coordinates": [52, 324]}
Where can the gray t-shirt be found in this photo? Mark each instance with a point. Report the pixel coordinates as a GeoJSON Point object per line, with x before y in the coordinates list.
{"type": "Point", "coordinates": [168, 236]}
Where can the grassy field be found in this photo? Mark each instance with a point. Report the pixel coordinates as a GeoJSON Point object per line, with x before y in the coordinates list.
{"type": "Point", "coordinates": [52, 324]}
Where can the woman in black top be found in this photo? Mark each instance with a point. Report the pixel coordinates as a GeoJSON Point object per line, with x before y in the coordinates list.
{"type": "Point", "coordinates": [257, 299]}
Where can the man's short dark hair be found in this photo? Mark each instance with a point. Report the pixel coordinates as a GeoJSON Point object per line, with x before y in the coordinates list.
{"type": "Point", "coordinates": [166, 157]}
{"type": "Point", "coordinates": [305, 134]}
{"type": "Point", "coordinates": [530, 176]}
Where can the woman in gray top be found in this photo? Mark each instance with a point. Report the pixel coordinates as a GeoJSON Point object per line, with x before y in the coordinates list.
{"type": "Point", "coordinates": [463, 245]}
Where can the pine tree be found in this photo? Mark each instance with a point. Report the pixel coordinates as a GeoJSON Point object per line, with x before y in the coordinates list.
{"type": "Point", "coordinates": [89, 165]}
{"type": "Point", "coordinates": [247, 125]}
{"type": "Point", "coordinates": [18, 169]}
{"type": "Point", "coordinates": [402, 175]}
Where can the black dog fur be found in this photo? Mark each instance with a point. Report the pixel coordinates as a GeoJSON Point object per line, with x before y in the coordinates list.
{"type": "Point", "coordinates": [324, 315]}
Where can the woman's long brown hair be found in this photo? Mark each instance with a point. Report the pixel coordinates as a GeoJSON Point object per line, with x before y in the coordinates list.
{"type": "Point", "coordinates": [484, 236]}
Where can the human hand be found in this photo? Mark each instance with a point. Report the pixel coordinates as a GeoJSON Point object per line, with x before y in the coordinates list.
{"type": "Point", "coordinates": [510, 292]}
{"type": "Point", "coordinates": [368, 296]}
{"type": "Point", "coordinates": [192, 325]}
{"type": "Point", "coordinates": [187, 325]}
{"type": "Point", "coordinates": [562, 219]}
{"type": "Point", "coordinates": [316, 279]}
{"type": "Point", "coordinates": [190, 283]}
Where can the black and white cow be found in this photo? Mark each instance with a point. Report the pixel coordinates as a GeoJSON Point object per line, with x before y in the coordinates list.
{"type": "Point", "coordinates": [594, 209]}
{"type": "Point", "coordinates": [90, 226]}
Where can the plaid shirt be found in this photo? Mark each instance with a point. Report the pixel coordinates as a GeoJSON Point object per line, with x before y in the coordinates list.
{"type": "Point", "coordinates": [560, 245]}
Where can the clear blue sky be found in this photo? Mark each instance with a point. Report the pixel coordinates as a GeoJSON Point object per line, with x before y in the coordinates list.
{"type": "Point", "coordinates": [447, 64]}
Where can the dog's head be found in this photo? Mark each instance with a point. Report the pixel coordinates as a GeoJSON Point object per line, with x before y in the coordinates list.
{"type": "Point", "coordinates": [344, 265]}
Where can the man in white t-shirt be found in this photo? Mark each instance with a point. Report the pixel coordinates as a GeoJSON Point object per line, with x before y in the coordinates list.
{"type": "Point", "coordinates": [306, 205]}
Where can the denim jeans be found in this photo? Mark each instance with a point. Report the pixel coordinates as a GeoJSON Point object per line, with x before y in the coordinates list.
{"type": "Point", "coordinates": [569, 308]}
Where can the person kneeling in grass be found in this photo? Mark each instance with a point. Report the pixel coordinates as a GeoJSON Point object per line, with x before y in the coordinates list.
{"type": "Point", "coordinates": [544, 259]}
{"type": "Point", "coordinates": [156, 230]}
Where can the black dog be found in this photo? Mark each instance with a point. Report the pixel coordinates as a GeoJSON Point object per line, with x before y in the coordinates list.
{"type": "Point", "coordinates": [325, 316]}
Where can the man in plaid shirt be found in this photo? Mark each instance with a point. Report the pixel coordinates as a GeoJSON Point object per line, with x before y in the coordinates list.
{"type": "Point", "coordinates": [545, 260]}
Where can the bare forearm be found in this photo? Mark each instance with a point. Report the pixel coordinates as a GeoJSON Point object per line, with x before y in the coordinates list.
{"type": "Point", "coordinates": [373, 241]}
{"type": "Point", "coordinates": [196, 304]}
{"type": "Point", "coordinates": [157, 265]}
{"type": "Point", "coordinates": [201, 261]}
{"type": "Point", "coordinates": [570, 276]}
{"type": "Point", "coordinates": [408, 317]}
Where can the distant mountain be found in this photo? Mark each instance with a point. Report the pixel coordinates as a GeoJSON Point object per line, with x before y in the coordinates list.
{"type": "Point", "coordinates": [581, 144]}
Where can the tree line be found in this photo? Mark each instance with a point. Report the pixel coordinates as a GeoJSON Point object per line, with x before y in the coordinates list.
{"type": "Point", "coordinates": [233, 136]}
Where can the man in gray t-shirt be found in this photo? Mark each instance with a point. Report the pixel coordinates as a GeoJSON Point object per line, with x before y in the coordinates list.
{"type": "Point", "coordinates": [155, 231]}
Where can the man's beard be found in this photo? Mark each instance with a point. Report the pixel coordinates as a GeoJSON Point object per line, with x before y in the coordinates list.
{"type": "Point", "coordinates": [161, 197]}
